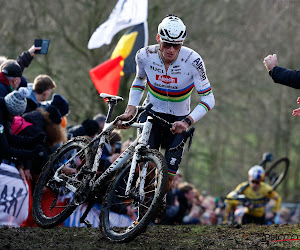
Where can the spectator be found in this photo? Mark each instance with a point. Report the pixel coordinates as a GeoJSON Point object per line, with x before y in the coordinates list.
{"type": "Point", "coordinates": [209, 217]}
{"type": "Point", "coordinates": [100, 118]}
{"type": "Point", "coordinates": [172, 203]}
{"type": "Point", "coordinates": [41, 122]}
{"type": "Point", "coordinates": [284, 216]}
{"type": "Point", "coordinates": [23, 60]}
{"type": "Point", "coordinates": [26, 57]}
{"type": "Point", "coordinates": [186, 195]}
{"type": "Point", "coordinates": [61, 104]}
{"type": "Point", "coordinates": [89, 128]}
{"type": "Point", "coordinates": [40, 91]}
{"type": "Point", "coordinates": [14, 148]}
{"type": "Point", "coordinates": [196, 211]}
{"type": "Point", "coordinates": [290, 78]}
{"type": "Point", "coordinates": [10, 77]}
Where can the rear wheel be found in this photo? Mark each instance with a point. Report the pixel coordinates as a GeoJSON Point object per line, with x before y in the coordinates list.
{"type": "Point", "coordinates": [277, 172]}
{"type": "Point", "coordinates": [54, 200]}
{"type": "Point", "coordinates": [142, 201]}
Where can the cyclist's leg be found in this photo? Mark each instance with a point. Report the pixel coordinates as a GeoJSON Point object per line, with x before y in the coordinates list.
{"type": "Point", "coordinates": [173, 158]}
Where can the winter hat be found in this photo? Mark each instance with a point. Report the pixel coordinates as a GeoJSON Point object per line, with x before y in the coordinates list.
{"type": "Point", "coordinates": [54, 114]}
{"type": "Point", "coordinates": [91, 127]}
{"type": "Point", "coordinates": [11, 68]}
{"type": "Point", "coordinates": [16, 101]}
{"type": "Point", "coordinates": [60, 103]}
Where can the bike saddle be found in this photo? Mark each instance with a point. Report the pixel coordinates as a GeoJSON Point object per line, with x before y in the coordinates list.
{"type": "Point", "coordinates": [111, 98]}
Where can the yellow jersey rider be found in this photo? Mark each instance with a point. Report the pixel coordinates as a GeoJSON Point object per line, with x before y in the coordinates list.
{"type": "Point", "coordinates": [258, 192]}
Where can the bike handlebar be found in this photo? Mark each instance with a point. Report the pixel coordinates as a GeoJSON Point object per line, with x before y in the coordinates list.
{"type": "Point", "coordinates": [141, 109]}
{"type": "Point", "coordinates": [247, 201]}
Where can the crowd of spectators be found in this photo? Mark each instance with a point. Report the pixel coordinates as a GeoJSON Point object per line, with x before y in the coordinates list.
{"type": "Point", "coordinates": [32, 126]}
{"type": "Point", "coordinates": [186, 205]}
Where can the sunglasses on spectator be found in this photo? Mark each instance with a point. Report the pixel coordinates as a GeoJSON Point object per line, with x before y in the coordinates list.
{"type": "Point", "coordinates": [169, 45]}
{"type": "Point", "coordinates": [255, 182]}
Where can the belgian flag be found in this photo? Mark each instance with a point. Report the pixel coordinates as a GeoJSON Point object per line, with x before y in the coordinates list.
{"type": "Point", "coordinates": [106, 76]}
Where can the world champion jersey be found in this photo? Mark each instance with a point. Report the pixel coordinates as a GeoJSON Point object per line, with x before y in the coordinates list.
{"type": "Point", "coordinates": [170, 91]}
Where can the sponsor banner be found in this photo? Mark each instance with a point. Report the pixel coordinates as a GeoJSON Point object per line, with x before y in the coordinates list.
{"type": "Point", "coordinates": [14, 198]}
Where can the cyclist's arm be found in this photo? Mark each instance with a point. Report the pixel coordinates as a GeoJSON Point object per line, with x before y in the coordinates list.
{"type": "Point", "coordinates": [230, 204]}
{"type": "Point", "coordinates": [202, 86]}
{"type": "Point", "coordinates": [136, 91]}
{"type": "Point", "coordinates": [275, 196]}
{"type": "Point", "coordinates": [139, 84]}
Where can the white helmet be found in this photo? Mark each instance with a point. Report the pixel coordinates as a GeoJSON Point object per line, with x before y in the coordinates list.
{"type": "Point", "coordinates": [256, 173]}
{"type": "Point", "coordinates": [172, 30]}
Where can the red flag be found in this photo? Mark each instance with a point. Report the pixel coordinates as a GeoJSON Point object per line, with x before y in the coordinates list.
{"type": "Point", "coordinates": [106, 76]}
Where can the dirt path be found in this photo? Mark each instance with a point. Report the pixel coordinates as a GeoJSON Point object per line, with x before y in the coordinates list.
{"type": "Point", "coordinates": [156, 237]}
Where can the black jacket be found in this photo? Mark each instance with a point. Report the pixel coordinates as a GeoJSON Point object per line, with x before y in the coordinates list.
{"type": "Point", "coordinates": [37, 129]}
{"type": "Point", "coordinates": [24, 60]}
{"type": "Point", "coordinates": [12, 145]}
{"type": "Point", "coordinates": [290, 78]}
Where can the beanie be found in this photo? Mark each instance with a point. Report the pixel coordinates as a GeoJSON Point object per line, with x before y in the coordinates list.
{"type": "Point", "coordinates": [91, 127]}
{"type": "Point", "coordinates": [16, 101]}
{"type": "Point", "coordinates": [11, 68]}
{"type": "Point", "coordinates": [60, 103]}
{"type": "Point", "coordinates": [54, 114]}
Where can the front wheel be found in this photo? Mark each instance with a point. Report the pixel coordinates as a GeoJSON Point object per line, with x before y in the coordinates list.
{"type": "Point", "coordinates": [277, 172]}
{"type": "Point", "coordinates": [59, 192]}
{"type": "Point", "coordinates": [141, 203]}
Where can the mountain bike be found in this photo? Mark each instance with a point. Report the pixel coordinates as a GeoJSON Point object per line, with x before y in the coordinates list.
{"type": "Point", "coordinates": [276, 172]}
{"type": "Point", "coordinates": [135, 181]}
{"type": "Point", "coordinates": [236, 211]}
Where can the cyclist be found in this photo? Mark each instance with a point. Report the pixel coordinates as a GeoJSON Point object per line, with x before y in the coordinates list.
{"type": "Point", "coordinates": [170, 71]}
{"type": "Point", "coordinates": [258, 192]}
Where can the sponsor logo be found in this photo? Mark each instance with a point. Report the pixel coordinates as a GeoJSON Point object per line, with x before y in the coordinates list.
{"type": "Point", "coordinates": [198, 64]}
{"type": "Point", "coordinates": [165, 86]}
{"type": "Point", "coordinates": [173, 161]}
{"type": "Point", "coordinates": [156, 69]}
{"type": "Point", "coordinates": [166, 79]}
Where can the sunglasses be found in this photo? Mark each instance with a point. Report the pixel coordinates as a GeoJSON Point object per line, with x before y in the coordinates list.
{"type": "Point", "coordinates": [255, 182]}
{"type": "Point", "coordinates": [169, 45]}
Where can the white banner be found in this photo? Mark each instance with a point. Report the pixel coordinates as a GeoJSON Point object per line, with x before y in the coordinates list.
{"type": "Point", "coordinates": [125, 14]}
{"type": "Point", "coordinates": [14, 197]}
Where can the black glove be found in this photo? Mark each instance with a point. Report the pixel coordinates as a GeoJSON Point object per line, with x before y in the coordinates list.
{"type": "Point", "coordinates": [40, 139]}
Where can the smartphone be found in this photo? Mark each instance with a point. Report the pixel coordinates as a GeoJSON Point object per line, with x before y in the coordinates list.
{"type": "Point", "coordinates": [44, 43]}
{"type": "Point", "coordinates": [118, 146]}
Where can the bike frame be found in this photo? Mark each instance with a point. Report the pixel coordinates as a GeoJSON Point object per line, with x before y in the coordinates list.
{"type": "Point", "coordinates": [133, 151]}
